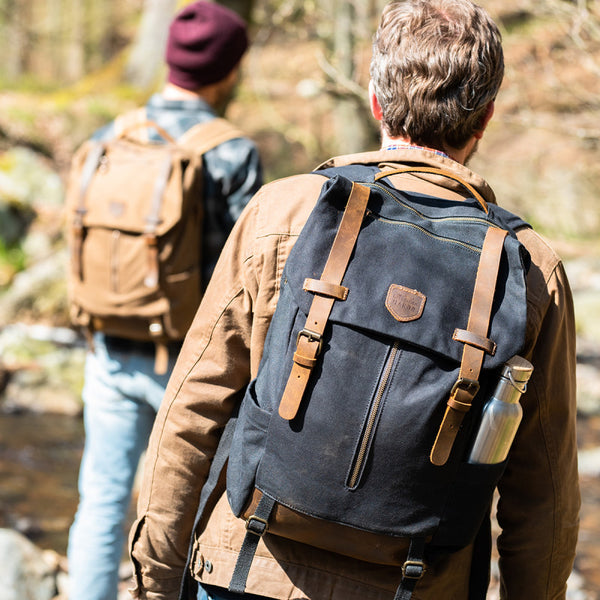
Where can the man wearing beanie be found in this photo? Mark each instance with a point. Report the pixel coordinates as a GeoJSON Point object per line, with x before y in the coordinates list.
{"type": "Point", "coordinates": [122, 392]}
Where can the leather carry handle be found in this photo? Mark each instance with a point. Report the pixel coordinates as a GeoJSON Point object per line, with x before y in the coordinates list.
{"type": "Point", "coordinates": [309, 340]}
{"type": "Point", "coordinates": [467, 384]}
{"type": "Point", "coordinates": [432, 170]}
{"type": "Point", "coordinates": [146, 124]}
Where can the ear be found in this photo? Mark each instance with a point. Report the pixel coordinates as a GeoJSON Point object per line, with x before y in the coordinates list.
{"type": "Point", "coordinates": [374, 103]}
{"type": "Point", "coordinates": [489, 112]}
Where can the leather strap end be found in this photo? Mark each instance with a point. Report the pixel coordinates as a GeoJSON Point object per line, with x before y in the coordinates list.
{"type": "Point", "coordinates": [161, 359]}
{"type": "Point", "coordinates": [440, 452]}
{"type": "Point", "coordinates": [151, 279]}
{"type": "Point", "coordinates": [294, 390]}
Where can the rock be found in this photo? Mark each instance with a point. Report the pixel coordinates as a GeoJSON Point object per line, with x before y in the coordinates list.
{"type": "Point", "coordinates": [43, 369]}
{"type": "Point", "coordinates": [24, 570]}
{"type": "Point", "coordinates": [588, 390]}
{"type": "Point", "coordinates": [589, 462]}
{"type": "Point", "coordinates": [38, 292]}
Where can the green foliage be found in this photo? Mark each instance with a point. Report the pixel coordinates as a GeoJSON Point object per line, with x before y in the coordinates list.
{"type": "Point", "coordinates": [12, 260]}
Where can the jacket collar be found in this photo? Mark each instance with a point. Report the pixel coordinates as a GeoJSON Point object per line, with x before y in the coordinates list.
{"type": "Point", "coordinates": [406, 157]}
{"type": "Point", "coordinates": [189, 104]}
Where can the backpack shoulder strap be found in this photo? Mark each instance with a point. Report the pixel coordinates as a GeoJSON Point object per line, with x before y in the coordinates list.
{"type": "Point", "coordinates": [476, 345]}
{"type": "Point", "coordinates": [205, 136]}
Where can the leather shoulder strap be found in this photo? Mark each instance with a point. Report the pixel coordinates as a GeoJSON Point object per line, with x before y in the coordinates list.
{"type": "Point", "coordinates": [476, 344]}
{"type": "Point", "coordinates": [326, 291]}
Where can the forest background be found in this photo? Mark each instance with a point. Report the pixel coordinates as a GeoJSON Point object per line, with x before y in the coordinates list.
{"type": "Point", "coordinates": [70, 66]}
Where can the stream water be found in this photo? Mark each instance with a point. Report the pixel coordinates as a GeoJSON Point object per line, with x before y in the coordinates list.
{"type": "Point", "coordinates": [39, 462]}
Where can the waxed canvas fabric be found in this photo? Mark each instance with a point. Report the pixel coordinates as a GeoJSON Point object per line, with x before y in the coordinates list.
{"type": "Point", "coordinates": [125, 189]}
{"type": "Point", "coordinates": [358, 451]}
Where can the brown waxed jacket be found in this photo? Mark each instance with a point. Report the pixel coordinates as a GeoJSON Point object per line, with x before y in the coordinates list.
{"type": "Point", "coordinates": [538, 495]}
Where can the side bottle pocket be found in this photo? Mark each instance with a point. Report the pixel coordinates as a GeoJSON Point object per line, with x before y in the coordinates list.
{"type": "Point", "coordinates": [247, 450]}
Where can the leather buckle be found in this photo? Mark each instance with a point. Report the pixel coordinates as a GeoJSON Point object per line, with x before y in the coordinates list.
{"type": "Point", "coordinates": [413, 569]}
{"type": "Point", "coordinates": [311, 336]}
{"type": "Point", "coordinates": [256, 525]}
{"type": "Point", "coordinates": [470, 386]}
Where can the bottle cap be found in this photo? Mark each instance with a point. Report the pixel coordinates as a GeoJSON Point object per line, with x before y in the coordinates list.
{"type": "Point", "coordinates": [518, 371]}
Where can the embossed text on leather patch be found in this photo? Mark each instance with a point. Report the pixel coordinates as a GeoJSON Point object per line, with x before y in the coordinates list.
{"type": "Point", "coordinates": [404, 304]}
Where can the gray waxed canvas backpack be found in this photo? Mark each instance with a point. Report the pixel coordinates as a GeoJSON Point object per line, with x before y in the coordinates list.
{"type": "Point", "coordinates": [396, 314]}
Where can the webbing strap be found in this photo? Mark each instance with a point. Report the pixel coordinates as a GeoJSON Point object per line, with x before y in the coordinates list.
{"type": "Point", "coordinates": [412, 570]}
{"type": "Point", "coordinates": [310, 338]}
{"type": "Point", "coordinates": [90, 166]}
{"type": "Point", "coordinates": [153, 221]}
{"type": "Point", "coordinates": [256, 526]}
{"type": "Point", "coordinates": [467, 384]}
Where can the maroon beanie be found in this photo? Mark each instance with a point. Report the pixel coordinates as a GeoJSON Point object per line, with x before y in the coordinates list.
{"type": "Point", "coordinates": [206, 41]}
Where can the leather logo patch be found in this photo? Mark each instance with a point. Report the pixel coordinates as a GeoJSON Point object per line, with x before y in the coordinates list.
{"type": "Point", "coordinates": [405, 304]}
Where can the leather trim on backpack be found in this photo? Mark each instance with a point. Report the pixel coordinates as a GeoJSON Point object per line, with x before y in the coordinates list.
{"type": "Point", "coordinates": [467, 385]}
{"type": "Point", "coordinates": [335, 537]}
{"type": "Point", "coordinates": [309, 339]}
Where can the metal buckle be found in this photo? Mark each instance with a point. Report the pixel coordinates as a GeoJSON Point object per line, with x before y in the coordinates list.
{"type": "Point", "coordinates": [413, 569]}
{"type": "Point", "coordinates": [261, 525]}
{"type": "Point", "coordinates": [312, 336]}
{"type": "Point", "coordinates": [471, 386]}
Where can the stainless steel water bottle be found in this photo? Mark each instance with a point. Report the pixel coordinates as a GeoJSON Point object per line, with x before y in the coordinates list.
{"type": "Point", "coordinates": [501, 414]}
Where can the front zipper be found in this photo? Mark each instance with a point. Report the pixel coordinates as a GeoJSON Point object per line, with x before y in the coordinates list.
{"type": "Point", "coordinates": [369, 430]}
{"type": "Point", "coordinates": [441, 238]}
{"type": "Point", "coordinates": [386, 191]}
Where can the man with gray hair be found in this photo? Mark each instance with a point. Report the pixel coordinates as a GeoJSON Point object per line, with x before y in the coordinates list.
{"type": "Point", "coordinates": [436, 70]}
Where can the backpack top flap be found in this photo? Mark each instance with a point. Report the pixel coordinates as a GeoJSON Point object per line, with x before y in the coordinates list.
{"type": "Point", "coordinates": [131, 185]}
{"type": "Point", "coordinates": [413, 270]}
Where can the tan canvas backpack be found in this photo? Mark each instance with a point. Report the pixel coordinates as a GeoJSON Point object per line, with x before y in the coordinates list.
{"type": "Point", "coordinates": [134, 218]}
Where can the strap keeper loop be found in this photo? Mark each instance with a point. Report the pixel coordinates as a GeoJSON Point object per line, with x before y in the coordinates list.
{"type": "Point", "coordinates": [304, 361]}
{"type": "Point", "coordinates": [460, 406]}
{"type": "Point", "coordinates": [325, 288]}
{"type": "Point", "coordinates": [477, 341]}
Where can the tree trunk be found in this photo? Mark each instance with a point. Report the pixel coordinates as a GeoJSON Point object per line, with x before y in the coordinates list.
{"type": "Point", "coordinates": [353, 132]}
{"type": "Point", "coordinates": [147, 55]}
{"type": "Point", "coordinates": [74, 67]}
{"type": "Point", "coordinates": [16, 39]}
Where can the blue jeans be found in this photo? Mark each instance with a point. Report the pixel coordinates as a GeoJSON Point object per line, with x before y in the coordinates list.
{"type": "Point", "coordinates": [121, 396]}
{"type": "Point", "coordinates": [215, 593]}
